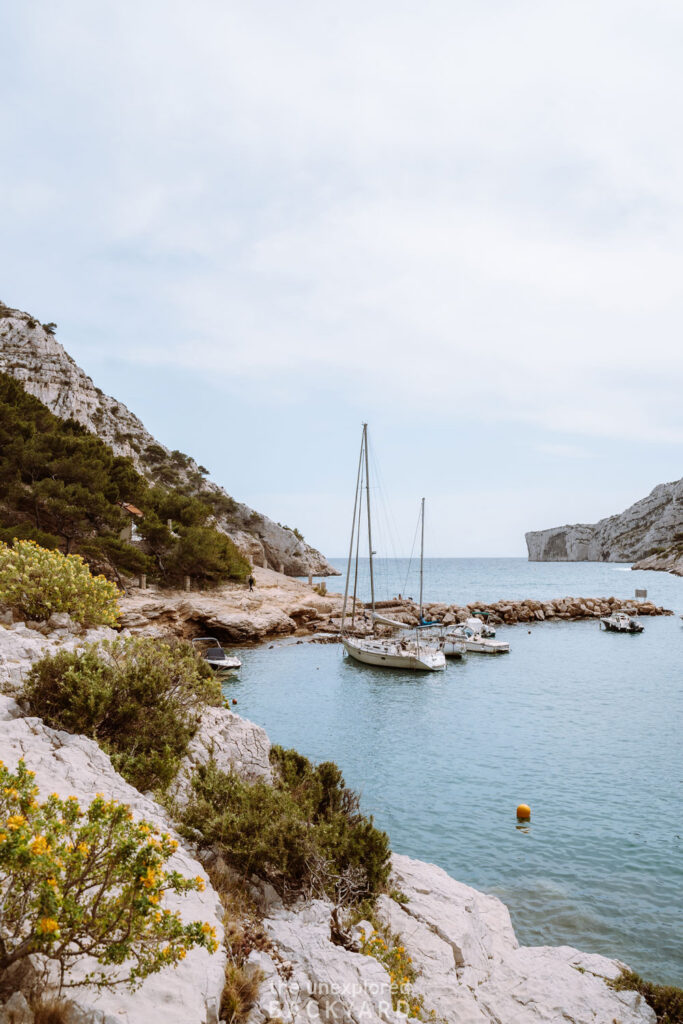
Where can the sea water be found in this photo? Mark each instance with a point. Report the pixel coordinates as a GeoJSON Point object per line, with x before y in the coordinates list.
{"type": "Point", "coordinates": [583, 725]}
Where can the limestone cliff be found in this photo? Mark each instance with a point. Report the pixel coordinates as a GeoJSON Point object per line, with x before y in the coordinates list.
{"type": "Point", "coordinates": [651, 524]}
{"type": "Point", "coordinates": [31, 354]}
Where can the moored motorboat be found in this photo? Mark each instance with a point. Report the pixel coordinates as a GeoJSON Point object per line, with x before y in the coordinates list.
{"type": "Point", "coordinates": [473, 642]}
{"type": "Point", "coordinates": [213, 654]}
{"type": "Point", "coordinates": [620, 622]}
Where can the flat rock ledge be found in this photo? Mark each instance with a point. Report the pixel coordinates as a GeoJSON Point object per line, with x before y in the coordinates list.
{"type": "Point", "coordinates": [471, 968]}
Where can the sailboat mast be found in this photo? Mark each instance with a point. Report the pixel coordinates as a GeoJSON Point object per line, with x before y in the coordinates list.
{"type": "Point", "coordinates": [353, 528]}
{"type": "Point", "coordinates": [422, 554]}
{"type": "Point", "coordinates": [367, 491]}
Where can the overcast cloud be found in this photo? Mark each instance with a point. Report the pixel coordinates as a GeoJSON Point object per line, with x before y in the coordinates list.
{"type": "Point", "coordinates": [261, 223]}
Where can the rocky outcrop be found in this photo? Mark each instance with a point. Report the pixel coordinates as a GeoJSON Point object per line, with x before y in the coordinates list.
{"type": "Point", "coordinates": [277, 606]}
{"type": "Point", "coordinates": [651, 523]}
{"type": "Point", "coordinates": [669, 560]}
{"type": "Point", "coordinates": [231, 742]}
{"type": "Point", "coordinates": [471, 969]}
{"type": "Point", "coordinates": [34, 357]}
{"type": "Point", "coordinates": [73, 765]}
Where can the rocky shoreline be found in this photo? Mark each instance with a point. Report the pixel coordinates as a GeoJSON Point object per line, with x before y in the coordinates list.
{"type": "Point", "coordinates": [670, 560]}
{"type": "Point", "coordinates": [281, 606]}
{"type": "Point", "coordinates": [470, 967]}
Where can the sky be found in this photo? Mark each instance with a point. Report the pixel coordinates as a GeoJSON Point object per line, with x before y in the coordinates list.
{"type": "Point", "coordinates": [261, 224]}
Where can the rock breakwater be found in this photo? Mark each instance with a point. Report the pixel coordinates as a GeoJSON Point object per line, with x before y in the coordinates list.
{"type": "Point", "coordinates": [510, 613]}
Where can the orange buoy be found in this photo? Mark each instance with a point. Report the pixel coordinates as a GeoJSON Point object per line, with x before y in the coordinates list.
{"type": "Point", "coordinates": [523, 812]}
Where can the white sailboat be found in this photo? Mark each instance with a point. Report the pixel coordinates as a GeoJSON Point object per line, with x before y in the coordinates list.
{"type": "Point", "coordinates": [401, 652]}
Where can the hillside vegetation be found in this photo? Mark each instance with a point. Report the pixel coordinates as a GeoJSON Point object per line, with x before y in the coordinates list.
{"type": "Point", "coordinates": [63, 487]}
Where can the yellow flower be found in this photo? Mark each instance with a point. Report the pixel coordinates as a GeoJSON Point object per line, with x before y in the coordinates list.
{"type": "Point", "coordinates": [149, 878]}
{"type": "Point", "coordinates": [52, 882]}
{"type": "Point", "coordinates": [12, 792]}
{"type": "Point", "coordinates": [83, 849]}
{"type": "Point", "coordinates": [182, 953]}
{"type": "Point", "coordinates": [39, 846]}
{"type": "Point", "coordinates": [15, 821]}
{"type": "Point", "coordinates": [47, 926]}
{"type": "Point", "coordinates": [3, 837]}
{"type": "Point", "coordinates": [208, 929]}
{"type": "Point", "coordinates": [201, 885]}
{"type": "Point", "coordinates": [153, 899]}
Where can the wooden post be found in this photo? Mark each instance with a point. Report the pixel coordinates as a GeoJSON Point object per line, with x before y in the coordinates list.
{"type": "Point", "coordinates": [310, 579]}
{"type": "Point", "coordinates": [187, 583]}
{"type": "Point", "coordinates": [143, 581]}
{"type": "Point", "coordinates": [281, 570]}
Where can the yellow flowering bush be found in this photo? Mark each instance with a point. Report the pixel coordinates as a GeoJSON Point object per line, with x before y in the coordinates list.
{"type": "Point", "coordinates": [402, 974]}
{"type": "Point", "coordinates": [37, 582]}
{"type": "Point", "coordinates": [88, 882]}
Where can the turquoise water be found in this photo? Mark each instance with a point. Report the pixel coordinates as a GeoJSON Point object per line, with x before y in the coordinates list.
{"type": "Point", "coordinates": [583, 725]}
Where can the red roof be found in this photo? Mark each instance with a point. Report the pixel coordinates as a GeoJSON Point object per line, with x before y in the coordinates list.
{"type": "Point", "coordinates": [131, 508]}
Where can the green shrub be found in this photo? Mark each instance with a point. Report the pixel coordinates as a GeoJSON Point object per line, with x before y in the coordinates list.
{"type": "Point", "coordinates": [207, 554]}
{"type": "Point", "coordinates": [37, 582]}
{"type": "Point", "coordinates": [140, 699]}
{"type": "Point", "coordinates": [665, 1000]}
{"type": "Point", "coordinates": [305, 833]}
{"type": "Point", "coordinates": [88, 882]}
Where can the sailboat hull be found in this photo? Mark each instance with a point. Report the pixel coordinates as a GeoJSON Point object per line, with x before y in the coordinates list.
{"type": "Point", "coordinates": [391, 655]}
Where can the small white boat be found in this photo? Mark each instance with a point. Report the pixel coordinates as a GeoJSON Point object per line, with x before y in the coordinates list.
{"type": "Point", "coordinates": [473, 642]}
{"type": "Point", "coordinates": [480, 627]}
{"type": "Point", "coordinates": [406, 654]}
{"type": "Point", "coordinates": [620, 622]}
{"type": "Point", "coordinates": [453, 648]}
{"type": "Point", "coordinates": [212, 653]}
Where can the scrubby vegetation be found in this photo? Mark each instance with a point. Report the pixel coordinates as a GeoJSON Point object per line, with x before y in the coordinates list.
{"type": "Point", "coordinates": [665, 1000]}
{"type": "Point", "coordinates": [64, 488]}
{"type": "Point", "coordinates": [36, 582]}
{"type": "Point", "coordinates": [91, 882]}
{"type": "Point", "coordinates": [140, 699]}
{"type": "Point", "coordinates": [243, 933]}
{"type": "Point", "coordinates": [304, 834]}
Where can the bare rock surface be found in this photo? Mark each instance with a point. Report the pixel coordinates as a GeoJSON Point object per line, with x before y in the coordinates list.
{"type": "Point", "coordinates": [73, 765]}
{"type": "Point", "coordinates": [471, 969]}
{"type": "Point", "coordinates": [278, 606]}
{"type": "Point", "coordinates": [34, 357]}
{"type": "Point", "coordinates": [669, 560]}
{"type": "Point", "coordinates": [234, 743]}
{"type": "Point", "coordinates": [21, 646]}
{"type": "Point", "coordinates": [631, 535]}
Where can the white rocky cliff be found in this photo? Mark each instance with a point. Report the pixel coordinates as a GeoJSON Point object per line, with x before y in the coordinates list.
{"type": "Point", "coordinates": [31, 354]}
{"type": "Point", "coordinates": [652, 523]}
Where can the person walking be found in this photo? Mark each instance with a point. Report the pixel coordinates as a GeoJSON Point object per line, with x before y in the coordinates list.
{"type": "Point", "coordinates": [251, 582]}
